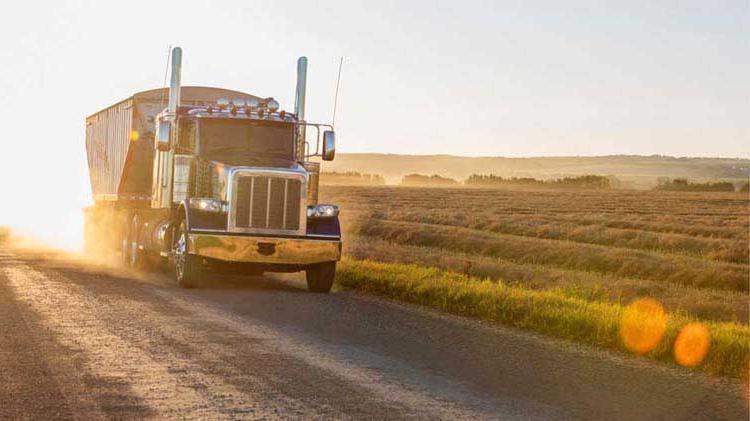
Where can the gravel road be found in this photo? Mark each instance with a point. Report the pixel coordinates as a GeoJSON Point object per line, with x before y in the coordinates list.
{"type": "Point", "coordinates": [84, 340]}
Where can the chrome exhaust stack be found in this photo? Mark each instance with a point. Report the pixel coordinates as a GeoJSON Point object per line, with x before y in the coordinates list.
{"type": "Point", "coordinates": [174, 82]}
{"type": "Point", "coordinates": [299, 106]}
{"type": "Point", "coordinates": [299, 96]}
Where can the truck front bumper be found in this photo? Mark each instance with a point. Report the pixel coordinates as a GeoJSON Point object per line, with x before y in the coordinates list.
{"type": "Point", "coordinates": [273, 250]}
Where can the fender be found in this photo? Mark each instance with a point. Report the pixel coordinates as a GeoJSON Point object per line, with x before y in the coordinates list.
{"type": "Point", "coordinates": [196, 219]}
{"type": "Point", "coordinates": [329, 227]}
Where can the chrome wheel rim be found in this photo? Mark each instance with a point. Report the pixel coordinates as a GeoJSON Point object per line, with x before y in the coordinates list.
{"type": "Point", "coordinates": [179, 255]}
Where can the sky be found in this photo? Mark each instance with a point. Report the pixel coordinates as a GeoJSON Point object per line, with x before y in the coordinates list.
{"type": "Point", "coordinates": [501, 78]}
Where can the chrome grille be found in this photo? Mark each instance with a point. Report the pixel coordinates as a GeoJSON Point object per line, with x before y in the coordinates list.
{"type": "Point", "coordinates": [264, 202]}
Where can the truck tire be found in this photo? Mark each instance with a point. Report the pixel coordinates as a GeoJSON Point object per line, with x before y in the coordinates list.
{"type": "Point", "coordinates": [137, 258]}
{"type": "Point", "coordinates": [187, 267]}
{"type": "Point", "coordinates": [320, 277]}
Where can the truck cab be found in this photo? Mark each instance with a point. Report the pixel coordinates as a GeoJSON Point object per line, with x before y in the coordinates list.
{"type": "Point", "coordinates": [233, 187]}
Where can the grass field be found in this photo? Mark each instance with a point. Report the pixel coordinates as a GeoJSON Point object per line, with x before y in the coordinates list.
{"type": "Point", "coordinates": [562, 263]}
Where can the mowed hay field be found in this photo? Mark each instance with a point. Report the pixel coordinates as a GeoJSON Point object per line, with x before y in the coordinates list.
{"type": "Point", "coordinates": [571, 264]}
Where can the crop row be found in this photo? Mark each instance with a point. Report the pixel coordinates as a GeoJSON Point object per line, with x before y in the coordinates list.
{"type": "Point", "coordinates": [733, 251]}
{"type": "Point", "coordinates": [562, 254]}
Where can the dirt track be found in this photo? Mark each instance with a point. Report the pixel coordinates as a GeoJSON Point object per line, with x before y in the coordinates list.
{"type": "Point", "coordinates": [79, 340]}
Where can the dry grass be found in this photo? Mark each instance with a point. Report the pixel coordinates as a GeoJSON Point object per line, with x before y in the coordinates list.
{"type": "Point", "coordinates": [561, 254]}
{"type": "Point", "coordinates": [729, 250]}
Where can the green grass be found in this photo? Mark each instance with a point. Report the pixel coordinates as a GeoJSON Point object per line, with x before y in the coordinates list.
{"type": "Point", "coordinates": [700, 303]}
{"type": "Point", "coordinates": [546, 312]}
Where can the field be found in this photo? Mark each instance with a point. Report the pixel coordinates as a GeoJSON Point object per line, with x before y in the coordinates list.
{"type": "Point", "coordinates": [639, 172]}
{"type": "Point", "coordinates": [563, 263]}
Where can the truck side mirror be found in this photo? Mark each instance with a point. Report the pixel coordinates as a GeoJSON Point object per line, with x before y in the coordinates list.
{"type": "Point", "coordinates": [329, 145]}
{"type": "Point", "coordinates": [163, 136]}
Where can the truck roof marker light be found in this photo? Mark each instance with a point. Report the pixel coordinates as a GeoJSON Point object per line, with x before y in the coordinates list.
{"type": "Point", "coordinates": [272, 105]}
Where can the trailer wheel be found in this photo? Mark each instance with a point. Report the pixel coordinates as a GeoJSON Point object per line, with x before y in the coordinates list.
{"type": "Point", "coordinates": [320, 277]}
{"type": "Point", "coordinates": [187, 267]}
{"type": "Point", "coordinates": [125, 247]}
{"type": "Point", "coordinates": [137, 258]}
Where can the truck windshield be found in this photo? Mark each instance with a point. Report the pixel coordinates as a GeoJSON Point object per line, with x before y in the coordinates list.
{"type": "Point", "coordinates": [243, 142]}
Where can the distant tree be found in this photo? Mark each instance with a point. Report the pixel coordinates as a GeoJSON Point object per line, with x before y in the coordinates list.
{"type": "Point", "coordinates": [584, 181]}
{"type": "Point", "coordinates": [682, 184]}
{"type": "Point", "coordinates": [427, 180]}
{"type": "Point", "coordinates": [351, 178]}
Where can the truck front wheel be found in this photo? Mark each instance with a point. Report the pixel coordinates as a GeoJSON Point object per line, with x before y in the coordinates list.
{"type": "Point", "coordinates": [320, 277]}
{"type": "Point", "coordinates": [187, 267]}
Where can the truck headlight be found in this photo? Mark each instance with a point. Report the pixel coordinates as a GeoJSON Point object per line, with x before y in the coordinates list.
{"type": "Point", "coordinates": [206, 204]}
{"type": "Point", "coordinates": [322, 211]}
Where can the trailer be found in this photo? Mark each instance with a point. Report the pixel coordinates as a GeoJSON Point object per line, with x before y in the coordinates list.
{"type": "Point", "coordinates": [208, 179]}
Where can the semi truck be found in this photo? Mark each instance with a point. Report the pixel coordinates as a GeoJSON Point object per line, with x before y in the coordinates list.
{"type": "Point", "coordinates": [205, 180]}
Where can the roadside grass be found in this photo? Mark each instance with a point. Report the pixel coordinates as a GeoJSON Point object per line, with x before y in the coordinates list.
{"type": "Point", "coordinates": [625, 262]}
{"type": "Point", "coordinates": [700, 303]}
{"type": "Point", "coordinates": [547, 312]}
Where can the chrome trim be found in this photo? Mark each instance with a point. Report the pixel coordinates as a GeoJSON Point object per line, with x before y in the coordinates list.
{"type": "Point", "coordinates": [268, 202]}
{"type": "Point", "coordinates": [313, 185]}
{"type": "Point", "coordinates": [211, 230]}
{"type": "Point", "coordinates": [295, 173]}
{"type": "Point", "coordinates": [252, 197]}
{"type": "Point", "coordinates": [293, 251]}
{"type": "Point", "coordinates": [182, 164]}
{"type": "Point", "coordinates": [243, 115]}
{"type": "Point", "coordinates": [286, 195]}
{"type": "Point", "coordinates": [174, 83]}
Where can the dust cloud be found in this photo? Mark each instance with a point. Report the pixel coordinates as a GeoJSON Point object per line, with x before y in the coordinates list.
{"type": "Point", "coordinates": [44, 189]}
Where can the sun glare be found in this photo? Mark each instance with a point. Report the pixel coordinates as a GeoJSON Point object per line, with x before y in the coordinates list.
{"type": "Point", "coordinates": [642, 326]}
{"type": "Point", "coordinates": [692, 344]}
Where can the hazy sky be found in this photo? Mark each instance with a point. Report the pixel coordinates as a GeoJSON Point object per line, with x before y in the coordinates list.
{"type": "Point", "coordinates": [513, 78]}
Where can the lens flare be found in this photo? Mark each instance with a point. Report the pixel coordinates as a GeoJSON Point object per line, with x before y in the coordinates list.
{"type": "Point", "coordinates": [134, 136]}
{"type": "Point", "coordinates": [642, 326]}
{"type": "Point", "coordinates": [692, 344]}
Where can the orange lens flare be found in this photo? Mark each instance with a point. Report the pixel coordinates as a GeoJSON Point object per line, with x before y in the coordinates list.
{"type": "Point", "coordinates": [692, 344]}
{"type": "Point", "coordinates": [642, 326]}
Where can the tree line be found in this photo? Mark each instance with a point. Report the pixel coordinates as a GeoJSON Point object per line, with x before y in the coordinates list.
{"type": "Point", "coordinates": [682, 184]}
{"type": "Point", "coordinates": [583, 181]}
{"type": "Point", "coordinates": [352, 178]}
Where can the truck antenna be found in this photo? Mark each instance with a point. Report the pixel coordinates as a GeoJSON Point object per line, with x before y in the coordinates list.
{"type": "Point", "coordinates": [336, 95]}
{"type": "Point", "coordinates": [166, 70]}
